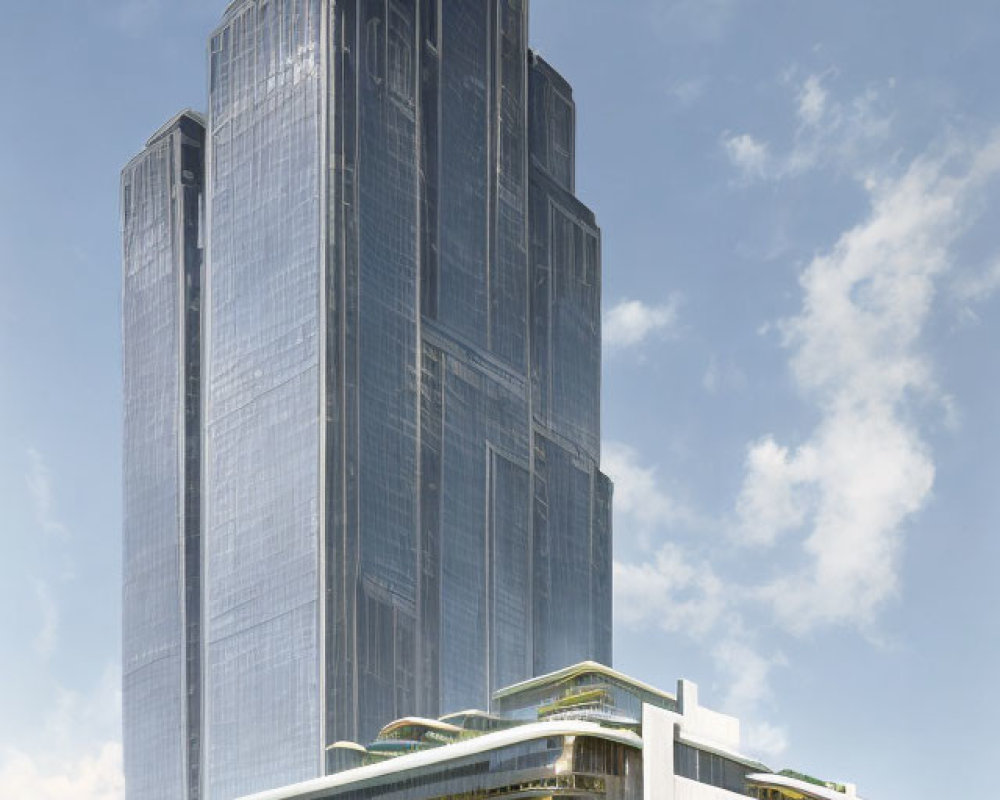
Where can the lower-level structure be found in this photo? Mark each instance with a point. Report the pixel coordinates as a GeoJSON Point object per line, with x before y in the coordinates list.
{"type": "Point", "coordinates": [586, 732]}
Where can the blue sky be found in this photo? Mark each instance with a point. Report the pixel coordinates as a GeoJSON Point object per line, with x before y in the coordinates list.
{"type": "Point", "coordinates": [801, 264]}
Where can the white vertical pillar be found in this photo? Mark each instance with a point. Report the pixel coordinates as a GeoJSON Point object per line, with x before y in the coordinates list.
{"type": "Point", "coordinates": [657, 753]}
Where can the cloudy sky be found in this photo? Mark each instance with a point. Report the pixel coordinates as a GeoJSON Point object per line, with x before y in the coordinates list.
{"type": "Point", "coordinates": [801, 263]}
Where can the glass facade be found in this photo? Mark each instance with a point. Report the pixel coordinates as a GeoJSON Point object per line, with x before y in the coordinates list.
{"type": "Point", "coordinates": [549, 766]}
{"type": "Point", "coordinates": [582, 691]}
{"type": "Point", "coordinates": [402, 503]}
{"type": "Point", "coordinates": [584, 731]}
{"type": "Point", "coordinates": [572, 498]}
{"type": "Point", "coordinates": [161, 283]}
{"type": "Point", "coordinates": [711, 768]}
{"type": "Point", "coordinates": [262, 387]}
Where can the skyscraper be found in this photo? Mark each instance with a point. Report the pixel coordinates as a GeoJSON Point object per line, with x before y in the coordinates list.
{"type": "Point", "coordinates": [161, 292]}
{"type": "Point", "coordinates": [401, 502]}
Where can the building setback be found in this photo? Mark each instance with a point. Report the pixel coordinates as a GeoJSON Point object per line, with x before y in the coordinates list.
{"type": "Point", "coordinates": [401, 507]}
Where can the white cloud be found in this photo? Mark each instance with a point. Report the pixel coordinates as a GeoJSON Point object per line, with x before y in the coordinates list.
{"type": "Point", "coordinates": [631, 322]}
{"type": "Point", "coordinates": [674, 591]}
{"type": "Point", "coordinates": [968, 291]}
{"type": "Point", "coordinates": [670, 592]}
{"type": "Point", "coordinates": [853, 484]}
{"type": "Point", "coordinates": [94, 776]}
{"type": "Point", "coordinates": [639, 496]}
{"type": "Point", "coordinates": [812, 101]}
{"type": "Point", "coordinates": [78, 755]}
{"type": "Point", "coordinates": [771, 501]}
{"type": "Point", "coordinates": [844, 135]}
{"type": "Point", "coordinates": [77, 719]}
{"type": "Point", "coordinates": [839, 500]}
{"type": "Point", "coordinates": [747, 153]}
{"type": "Point", "coordinates": [40, 490]}
{"type": "Point", "coordinates": [678, 594]}
{"type": "Point", "coordinates": [748, 673]}
{"type": "Point", "coordinates": [978, 287]}
{"type": "Point", "coordinates": [765, 739]}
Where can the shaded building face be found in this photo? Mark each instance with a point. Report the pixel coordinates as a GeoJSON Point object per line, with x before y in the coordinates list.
{"type": "Point", "coordinates": [402, 503]}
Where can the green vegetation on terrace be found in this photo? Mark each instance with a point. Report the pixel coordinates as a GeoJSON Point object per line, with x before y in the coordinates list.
{"type": "Point", "coordinates": [801, 776]}
{"type": "Point", "coordinates": [577, 697]}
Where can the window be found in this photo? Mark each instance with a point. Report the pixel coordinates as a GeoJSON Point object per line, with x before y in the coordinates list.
{"type": "Point", "coordinates": [561, 139]}
{"type": "Point", "coordinates": [373, 49]}
{"type": "Point", "coordinates": [400, 56]}
{"type": "Point", "coordinates": [562, 125]}
{"type": "Point", "coordinates": [430, 21]}
{"type": "Point", "coordinates": [710, 768]}
{"type": "Point", "coordinates": [561, 254]}
{"type": "Point", "coordinates": [599, 757]}
{"type": "Point", "coordinates": [574, 251]}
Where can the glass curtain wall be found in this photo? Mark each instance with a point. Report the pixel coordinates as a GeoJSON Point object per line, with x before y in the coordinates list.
{"type": "Point", "coordinates": [161, 280]}
{"type": "Point", "coordinates": [402, 506]}
{"type": "Point", "coordinates": [263, 359]}
{"type": "Point", "coordinates": [572, 498]}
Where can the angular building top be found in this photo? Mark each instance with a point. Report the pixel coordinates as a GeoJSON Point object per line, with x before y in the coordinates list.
{"type": "Point", "coordinates": [187, 121]}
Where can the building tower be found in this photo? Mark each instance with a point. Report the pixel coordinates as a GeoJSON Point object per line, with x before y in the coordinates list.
{"type": "Point", "coordinates": [161, 287]}
{"type": "Point", "coordinates": [402, 507]}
